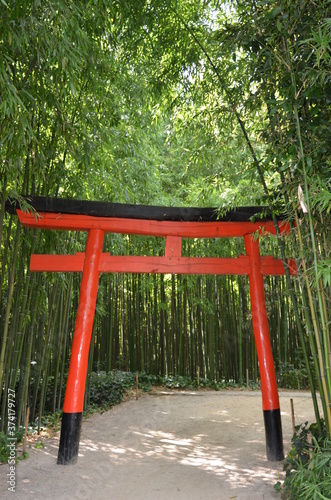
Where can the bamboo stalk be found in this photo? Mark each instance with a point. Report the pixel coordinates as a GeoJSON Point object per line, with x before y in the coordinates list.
{"type": "Point", "coordinates": [9, 302]}
{"type": "Point", "coordinates": [3, 205]}
{"type": "Point", "coordinates": [26, 427]}
{"type": "Point", "coordinates": [5, 264]}
{"type": "Point", "coordinates": [24, 299]}
{"type": "Point", "coordinates": [27, 353]}
{"type": "Point", "coordinates": [310, 443]}
{"type": "Point", "coordinates": [43, 360]}
{"type": "Point", "coordinates": [292, 415]}
{"type": "Point", "coordinates": [323, 356]}
{"type": "Point", "coordinates": [323, 378]}
{"type": "Point", "coordinates": [62, 327]}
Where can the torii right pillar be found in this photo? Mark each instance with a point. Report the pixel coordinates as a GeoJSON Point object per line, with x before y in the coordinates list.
{"type": "Point", "coordinates": [270, 399]}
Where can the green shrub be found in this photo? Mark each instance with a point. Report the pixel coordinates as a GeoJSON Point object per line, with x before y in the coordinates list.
{"type": "Point", "coordinates": [49, 421]}
{"type": "Point", "coordinates": [5, 440]}
{"type": "Point", "coordinates": [108, 389]}
{"type": "Point", "coordinates": [146, 381]}
{"type": "Point", "coordinates": [307, 466]}
{"type": "Point", "coordinates": [289, 377]}
{"type": "Point", "coordinates": [178, 382]}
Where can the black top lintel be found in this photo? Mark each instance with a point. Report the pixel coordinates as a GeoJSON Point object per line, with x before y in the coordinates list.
{"type": "Point", "coordinates": [146, 212]}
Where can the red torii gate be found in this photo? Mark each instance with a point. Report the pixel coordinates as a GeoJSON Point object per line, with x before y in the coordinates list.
{"type": "Point", "coordinates": [97, 218]}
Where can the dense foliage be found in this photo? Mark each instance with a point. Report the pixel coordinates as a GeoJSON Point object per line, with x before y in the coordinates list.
{"type": "Point", "coordinates": [307, 466]}
{"type": "Point", "coordinates": [171, 103]}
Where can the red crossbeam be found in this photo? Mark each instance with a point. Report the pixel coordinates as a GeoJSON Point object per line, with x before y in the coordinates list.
{"type": "Point", "coordinates": [172, 262]}
{"type": "Point", "coordinates": [168, 265]}
{"type": "Point", "coordinates": [216, 229]}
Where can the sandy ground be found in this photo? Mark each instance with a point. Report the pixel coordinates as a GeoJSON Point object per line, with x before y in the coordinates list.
{"type": "Point", "coordinates": [171, 445]}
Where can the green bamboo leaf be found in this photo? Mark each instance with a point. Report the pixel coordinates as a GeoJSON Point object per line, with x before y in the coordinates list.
{"type": "Point", "coordinates": [309, 161]}
{"type": "Point", "coordinates": [324, 271]}
{"type": "Point", "coordinates": [72, 87]}
{"type": "Point", "coordinates": [274, 12]}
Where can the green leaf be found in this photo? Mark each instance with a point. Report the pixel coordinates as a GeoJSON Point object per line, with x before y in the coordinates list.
{"type": "Point", "coordinates": [274, 12]}
{"type": "Point", "coordinates": [72, 87]}
{"type": "Point", "coordinates": [324, 271]}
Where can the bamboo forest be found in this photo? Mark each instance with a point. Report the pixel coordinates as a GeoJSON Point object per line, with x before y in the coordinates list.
{"type": "Point", "coordinates": [173, 103]}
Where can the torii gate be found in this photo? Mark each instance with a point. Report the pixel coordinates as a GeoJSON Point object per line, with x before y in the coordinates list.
{"type": "Point", "coordinates": [97, 218]}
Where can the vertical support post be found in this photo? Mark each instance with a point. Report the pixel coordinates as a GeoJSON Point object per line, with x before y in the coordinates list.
{"type": "Point", "coordinates": [75, 390]}
{"type": "Point", "coordinates": [270, 399]}
{"type": "Point", "coordinates": [173, 246]}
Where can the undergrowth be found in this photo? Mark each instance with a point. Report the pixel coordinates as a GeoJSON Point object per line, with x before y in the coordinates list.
{"type": "Point", "coordinates": [108, 388]}
{"type": "Point", "coordinates": [6, 441]}
{"type": "Point", "coordinates": [307, 466]}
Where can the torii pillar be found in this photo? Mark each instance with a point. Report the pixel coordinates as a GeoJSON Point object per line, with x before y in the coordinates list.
{"type": "Point", "coordinates": [270, 399]}
{"type": "Point", "coordinates": [75, 390]}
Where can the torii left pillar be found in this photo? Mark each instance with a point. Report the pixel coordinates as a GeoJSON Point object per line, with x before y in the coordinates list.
{"type": "Point", "coordinates": [75, 390]}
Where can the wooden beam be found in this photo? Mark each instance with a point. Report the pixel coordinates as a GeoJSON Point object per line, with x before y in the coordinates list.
{"type": "Point", "coordinates": [274, 267]}
{"type": "Point", "coordinates": [57, 263]}
{"type": "Point", "coordinates": [41, 204]}
{"type": "Point", "coordinates": [174, 265]}
{"type": "Point", "coordinates": [173, 246]}
{"type": "Point", "coordinates": [158, 265]}
{"type": "Point", "coordinates": [217, 229]}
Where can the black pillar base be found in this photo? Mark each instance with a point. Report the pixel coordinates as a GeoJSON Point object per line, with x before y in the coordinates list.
{"type": "Point", "coordinates": [69, 440]}
{"type": "Point", "coordinates": [273, 434]}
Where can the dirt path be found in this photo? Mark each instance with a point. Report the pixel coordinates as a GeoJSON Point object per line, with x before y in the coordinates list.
{"type": "Point", "coordinates": [188, 445]}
